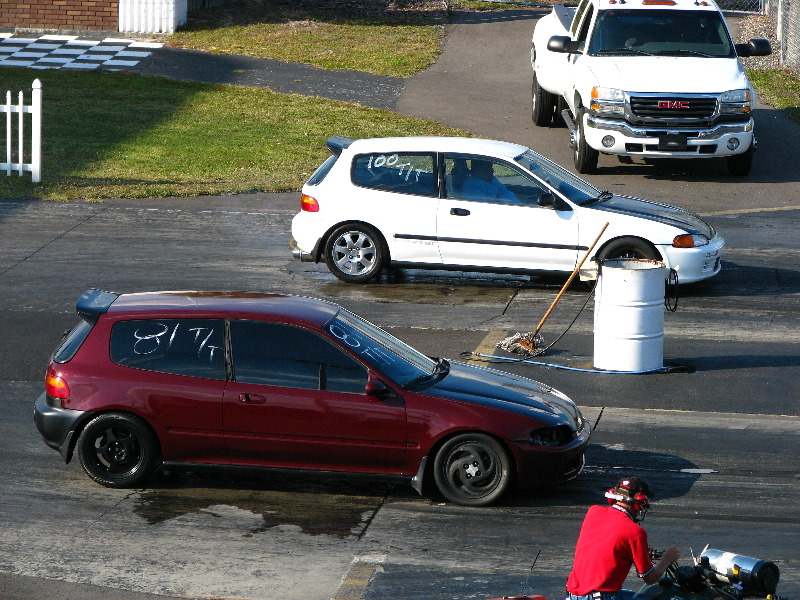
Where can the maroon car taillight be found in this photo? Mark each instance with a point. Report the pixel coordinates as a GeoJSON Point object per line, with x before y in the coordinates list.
{"type": "Point", "coordinates": [55, 386]}
{"type": "Point", "coordinates": [309, 203]}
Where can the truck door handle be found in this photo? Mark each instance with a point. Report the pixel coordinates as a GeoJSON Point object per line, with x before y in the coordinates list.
{"type": "Point", "coordinates": [459, 212]}
{"type": "Point", "coordinates": [252, 398]}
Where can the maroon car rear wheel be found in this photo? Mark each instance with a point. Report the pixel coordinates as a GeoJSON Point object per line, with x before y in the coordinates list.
{"type": "Point", "coordinates": [118, 450]}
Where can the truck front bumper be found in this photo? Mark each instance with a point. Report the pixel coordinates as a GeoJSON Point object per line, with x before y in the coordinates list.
{"type": "Point", "coordinates": [618, 137]}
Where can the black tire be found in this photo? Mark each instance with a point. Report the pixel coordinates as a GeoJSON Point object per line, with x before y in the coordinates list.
{"type": "Point", "coordinates": [741, 164]}
{"type": "Point", "coordinates": [558, 119]}
{"type": "Point", "coordinates": [585, 156]}
{"type": "Point", "coordinates": [355, 253]}
{"type": "Point", "coordinates": [543, 104]}
{"type": "Point", "coordinates": [472, 469]}
{"type": "Point", "coordinates": [628, 247]}
{"type": "Point", "coordinates": [118, 450]}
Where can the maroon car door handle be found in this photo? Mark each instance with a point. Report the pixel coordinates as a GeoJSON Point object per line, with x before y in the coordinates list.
{"type": "Point", "coordinates": [252, 398]}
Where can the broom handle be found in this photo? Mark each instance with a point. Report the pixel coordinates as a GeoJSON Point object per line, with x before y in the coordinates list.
{"type": "Point", "coordinates": [571, 277]}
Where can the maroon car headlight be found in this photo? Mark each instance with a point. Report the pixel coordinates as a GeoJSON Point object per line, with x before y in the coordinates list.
{"type": "Point", "coordinates": [558, 435]}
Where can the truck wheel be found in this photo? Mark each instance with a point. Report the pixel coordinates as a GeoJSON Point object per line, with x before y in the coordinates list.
{"type": "Point", "coordinates": [542, 104]}
{"type": "Point", "coordinates": [558, 119]}
{"type": "Point", "coordinates": [585, 156]}
{"type": "Point", "coordinates": [740, 164]}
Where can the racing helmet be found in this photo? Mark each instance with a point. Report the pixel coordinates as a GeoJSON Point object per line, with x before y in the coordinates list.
{"type": "Point", "coordinates": [633, 491]}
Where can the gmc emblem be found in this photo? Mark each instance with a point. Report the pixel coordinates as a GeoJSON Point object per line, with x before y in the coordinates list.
{"type": "Point", "coordinates": [673, 104]}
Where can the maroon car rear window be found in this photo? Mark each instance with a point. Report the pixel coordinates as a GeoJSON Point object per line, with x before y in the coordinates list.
{"type": "Point", "coordinates": [72, 342]}
{"type": "Point", "coordinates": [191, 347]}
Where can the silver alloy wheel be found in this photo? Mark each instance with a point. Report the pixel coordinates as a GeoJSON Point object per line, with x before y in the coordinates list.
{"type": "Point", "coordinates": [354, 252]}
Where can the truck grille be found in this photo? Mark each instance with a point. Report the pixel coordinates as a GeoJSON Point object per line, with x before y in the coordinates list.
{"type": "Point", "coordinates": [673, 108]}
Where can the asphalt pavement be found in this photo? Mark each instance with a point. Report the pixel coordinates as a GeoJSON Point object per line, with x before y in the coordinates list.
{"type": "Point", "coordinates": [286, 78]}
{"type": "Point", "coordinates": [466, 88]}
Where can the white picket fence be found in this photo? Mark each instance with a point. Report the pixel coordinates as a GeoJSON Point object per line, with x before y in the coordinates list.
{"type": "Point", "coordinates": [35, 151]}
{"type": "Point", "coordinates": [151, 16]}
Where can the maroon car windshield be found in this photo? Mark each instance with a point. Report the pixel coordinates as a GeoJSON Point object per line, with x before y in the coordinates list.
{"type": "Point", "coordinates": [380, 349]}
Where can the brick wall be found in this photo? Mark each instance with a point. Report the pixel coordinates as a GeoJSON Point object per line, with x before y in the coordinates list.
{"type": "Point", "coordinates": [96, 15]}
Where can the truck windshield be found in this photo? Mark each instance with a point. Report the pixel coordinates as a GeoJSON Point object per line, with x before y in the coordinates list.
{"type": "Point", "coordinates": [661, 32]}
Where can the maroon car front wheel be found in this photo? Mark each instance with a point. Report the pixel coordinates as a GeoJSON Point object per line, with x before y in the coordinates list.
{"type": "Point", "coordinates": [472, 469]}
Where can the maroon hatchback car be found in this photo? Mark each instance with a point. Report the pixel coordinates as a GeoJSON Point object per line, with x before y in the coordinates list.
{"type": "Point", "coordinates": [254, 379]}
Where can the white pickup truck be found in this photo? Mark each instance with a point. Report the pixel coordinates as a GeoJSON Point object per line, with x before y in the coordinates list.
{"type": "Point", "coordinates": [647, 78]}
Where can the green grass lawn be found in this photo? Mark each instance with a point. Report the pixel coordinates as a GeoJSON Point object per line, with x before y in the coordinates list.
{"type": "Point", "coordinates": [361, 36]}
{"type": "Point", "coordinates": [779, 87]}
{"type": "Point", "coordinates": [121, 135]}
{"type": "Point", "coordinates": [397, 39]}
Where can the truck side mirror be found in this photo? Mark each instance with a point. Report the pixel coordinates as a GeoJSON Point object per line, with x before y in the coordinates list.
{"type": "Point", "coordinates": [758, 47]}
{"type": "Point", "coordinates": [563, 44]}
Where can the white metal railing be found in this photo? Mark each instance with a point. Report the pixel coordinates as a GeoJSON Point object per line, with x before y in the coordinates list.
{"type": "Point", "coordinates": [35, 110]}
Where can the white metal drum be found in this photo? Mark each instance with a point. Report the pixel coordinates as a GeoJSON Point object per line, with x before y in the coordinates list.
{"type": "Point", "coordinates": [629, 315]}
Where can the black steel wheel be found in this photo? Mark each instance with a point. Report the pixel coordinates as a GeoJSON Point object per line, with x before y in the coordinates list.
{"type": "Point", "coordinates": [741, 164]}
{"type": "Point", "coordinates": [355, 253]}
{"type": "Point", "coordinates": [585, 156]}
{"type": "Point", "coordinates": [542, 104]}
{"type": "Point", "coordinates": [472, 469]}
{"type": "Point", "coordinates": [629, 247]}
{"type": "Point", "coordinates": [118, 450]}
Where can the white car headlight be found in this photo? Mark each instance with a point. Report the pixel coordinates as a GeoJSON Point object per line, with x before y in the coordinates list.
{"type": "Point", "coordinates": [688, 240]}
{"type": "Point", "coordinates": [735, 102]}
{"type": "Point", "coordinates": [608, 100]}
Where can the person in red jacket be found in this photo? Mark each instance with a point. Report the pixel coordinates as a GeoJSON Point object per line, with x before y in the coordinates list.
{"type": "Point", "coordinates": [611, 541]}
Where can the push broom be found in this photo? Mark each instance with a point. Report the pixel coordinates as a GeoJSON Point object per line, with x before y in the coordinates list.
{"type": "Point", "coordinates": [526, 343]}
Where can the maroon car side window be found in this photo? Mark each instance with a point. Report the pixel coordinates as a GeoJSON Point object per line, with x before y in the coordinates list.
{"type": "Point", "coordinates": [289, 356]}
{"type": "Point", "coordinates": [192, 347]}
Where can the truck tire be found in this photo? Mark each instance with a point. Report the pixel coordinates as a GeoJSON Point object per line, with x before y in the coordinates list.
{"type": "Point", "coordinates": [585, 156]}
{"type": "Point", "coordinates": [542, 104]}
{"type": "Point", "coordinates": [561, 105]}
{"type": "Point", "coordinates": [740, 164]}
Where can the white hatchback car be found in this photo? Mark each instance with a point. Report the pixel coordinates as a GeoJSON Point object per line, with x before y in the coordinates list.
{"type": "Point", "coordinates": [480, 205]}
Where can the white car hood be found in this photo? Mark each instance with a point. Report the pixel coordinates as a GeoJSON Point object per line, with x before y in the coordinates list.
{"type": "Point", "coordinates": [662, 74]}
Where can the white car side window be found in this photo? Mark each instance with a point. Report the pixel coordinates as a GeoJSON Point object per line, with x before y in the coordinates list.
{"type": "Point", "coordinates": [403, 173]}
{"type": "Point", "coordinates": [480, 179]}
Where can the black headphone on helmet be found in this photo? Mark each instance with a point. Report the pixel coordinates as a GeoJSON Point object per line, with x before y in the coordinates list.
{"type": "Point", "coordinates": [633, 491]}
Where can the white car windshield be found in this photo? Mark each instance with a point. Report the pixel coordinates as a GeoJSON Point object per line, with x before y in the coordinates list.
{"type": "Point", "coordinates": [572, 187]}
{"type": "Point", "coordinates": [380, 349]}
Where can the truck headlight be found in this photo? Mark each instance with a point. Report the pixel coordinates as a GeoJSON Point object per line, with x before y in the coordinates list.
{"type": "Point", "coordinates": [735, 102]}
{"type": "Point", "coordinates": [608, 100]}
